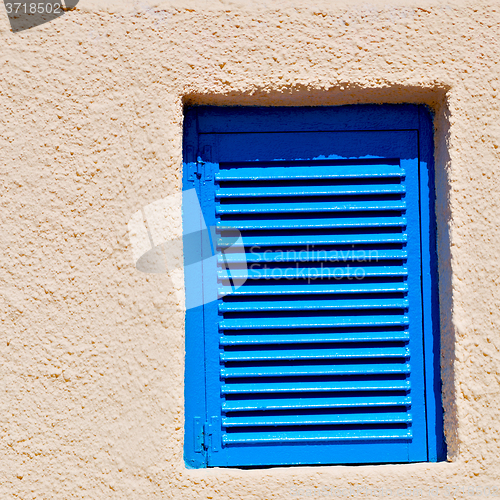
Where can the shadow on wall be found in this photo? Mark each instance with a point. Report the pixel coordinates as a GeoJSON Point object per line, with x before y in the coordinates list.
{"type": "Point", "coordinates": [433, 95]}
{"type": "Point", "coordinates": [443, 221]}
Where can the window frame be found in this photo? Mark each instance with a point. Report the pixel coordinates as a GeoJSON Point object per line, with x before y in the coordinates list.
{"type": "Point", "coordinates": [403, 117]}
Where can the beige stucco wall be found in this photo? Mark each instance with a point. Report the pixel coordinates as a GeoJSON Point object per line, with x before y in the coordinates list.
{"type": "Point", "coordinates": [92, 350]}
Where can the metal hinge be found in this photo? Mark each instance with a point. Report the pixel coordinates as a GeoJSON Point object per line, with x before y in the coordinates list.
{"type": "Point", "coordinates": [207, 434]}
{"type": "Point", "coordinates": [206, 159]}
{"type": "Point", "coordinates": [195, 166]}
{"type": "Point", "coordinates": [204, 435]}
{"type": "Point", "coordinates": [199, 164]}
{"type": "Point", "coordinates": [212, 435]}
{"type": "Point", "coordinates": [199, 168]}
{"type": "Point", "coordinates": [199, 435]}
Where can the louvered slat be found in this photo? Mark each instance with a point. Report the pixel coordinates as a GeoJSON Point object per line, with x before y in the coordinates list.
{"type": "Point", "coordinates": [313, 272]}
{"type": "Point", "coordinates": [330, 386]}
{"type": "Point", "coordinates": [312, 322]}
{"type": "Point", "coordinates": [304, 403]}
{"type": "Point", "coordinates": [340, 419]}
{"type": "Point", "coordinates": [311, 172]}
{"type": "Point", "coordinates": [313, 305]}
{"type": "Point", "coordinates": [313, 288]}
{"type": "Point", "coordinates": [310, 207]}
{"type": "Point", "coordinates": [317, 370]}
{"type": "Point", "coordinates": [294, 354]}
{"type": "Point", "coordinates": [339, 222]}
{"type": "Point", "coordinates": [337, 239]}
{"type": "Point", "coordinates": [310, 191]}
{"type": "Point", "coordinates": [315, 436]}
{"type": "Point", "coordinates": [269, 256]}
{"type": "Point", "coordinates": [312, 338]}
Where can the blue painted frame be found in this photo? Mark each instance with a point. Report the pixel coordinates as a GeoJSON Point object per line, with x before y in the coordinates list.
{"type": "Point", "coordinates": [205, 126]}
{"type": "Point", "coordinates": [430, 288]}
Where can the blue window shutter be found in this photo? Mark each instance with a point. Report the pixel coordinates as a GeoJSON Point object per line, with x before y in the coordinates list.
{"type": "Point", "coordinates": [314, 345]}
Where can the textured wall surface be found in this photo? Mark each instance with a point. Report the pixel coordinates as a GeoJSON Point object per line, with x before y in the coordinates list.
{"type": "Point", "coordinates": [92, 350]}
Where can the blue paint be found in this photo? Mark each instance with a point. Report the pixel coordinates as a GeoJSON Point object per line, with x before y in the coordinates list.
{"type": "Point", "coordinates": [430, 293]}
{"type": "Point", "coordinates": [319, 344]}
